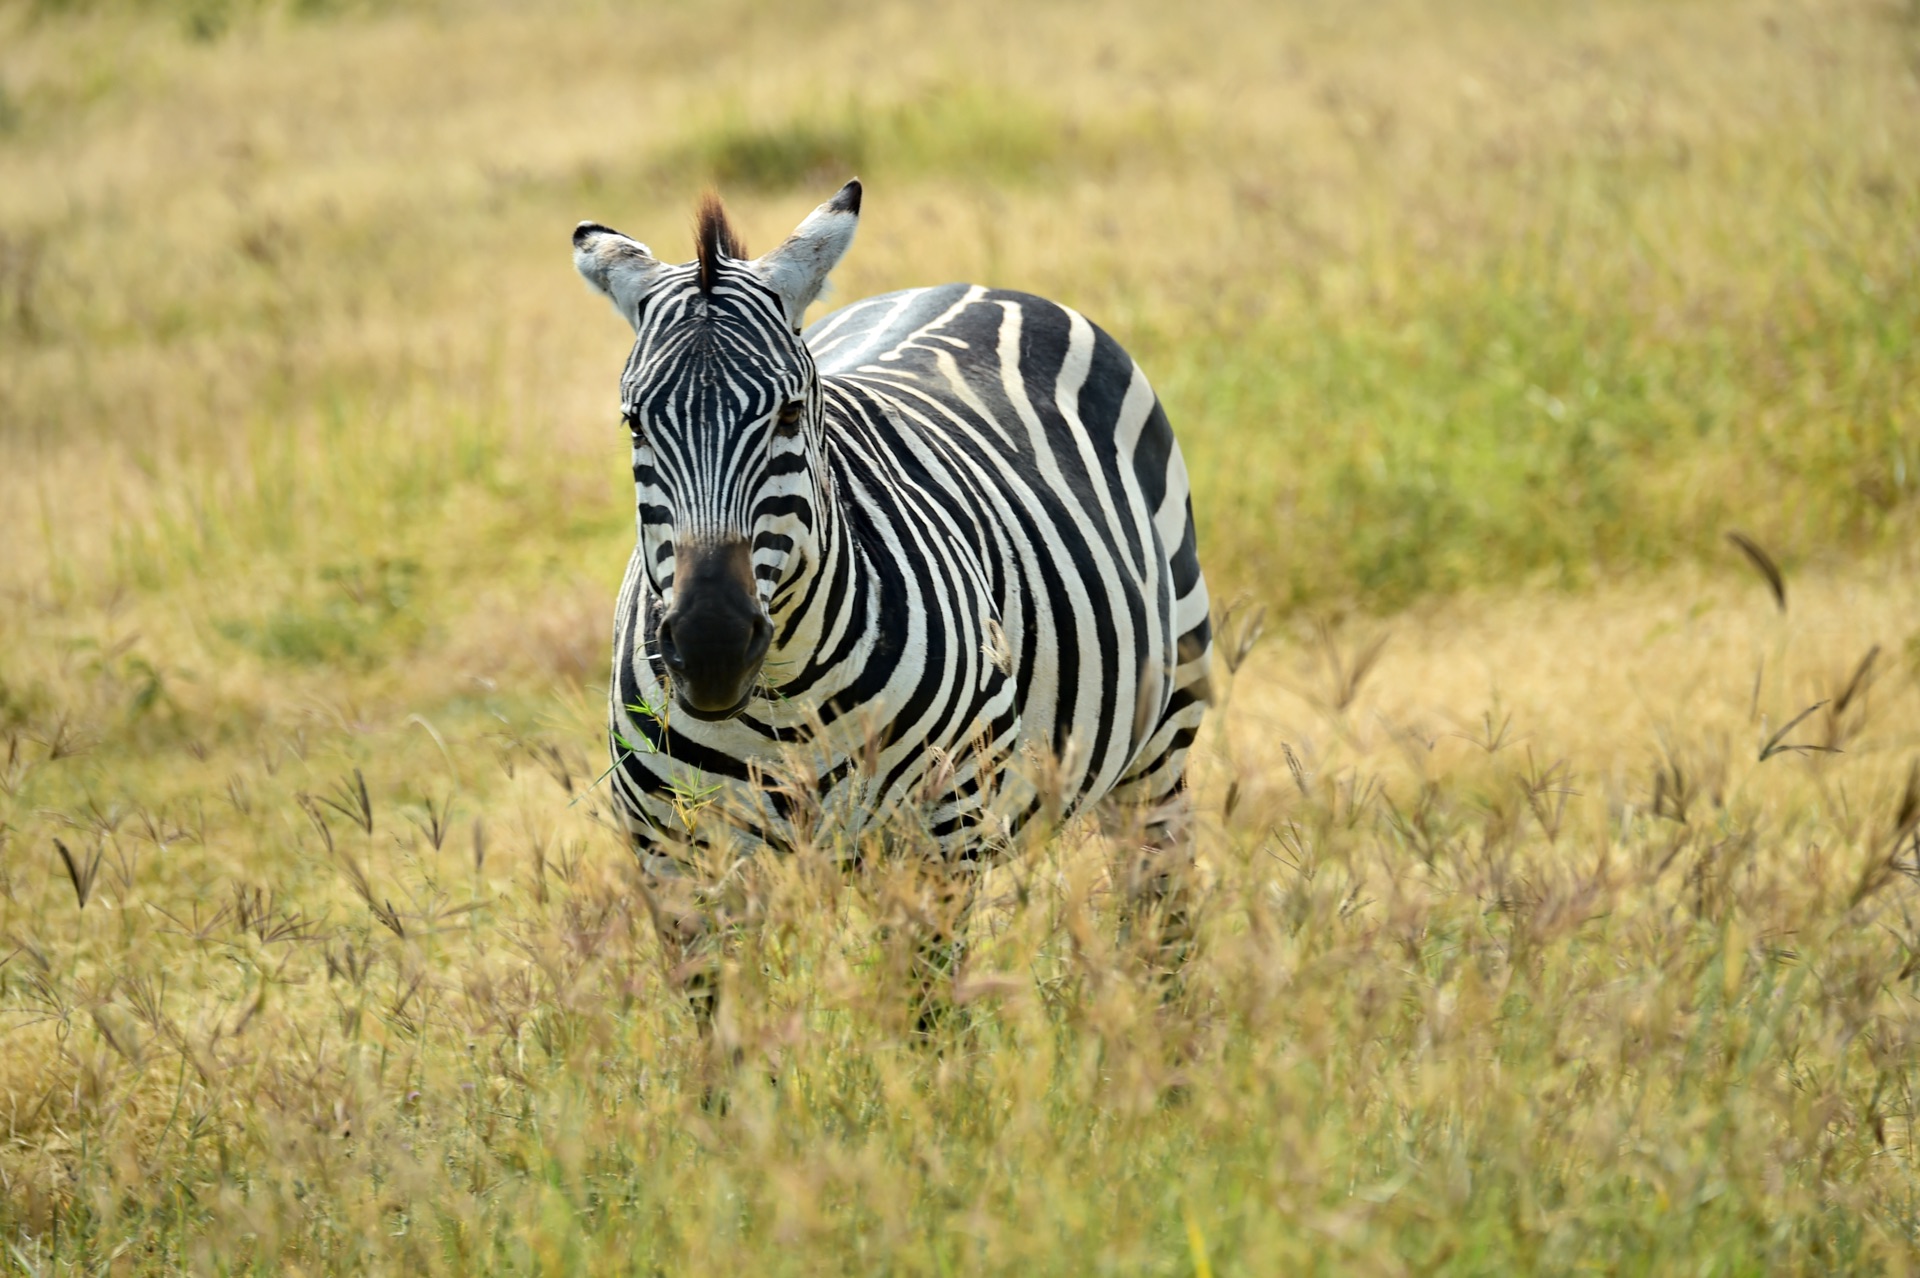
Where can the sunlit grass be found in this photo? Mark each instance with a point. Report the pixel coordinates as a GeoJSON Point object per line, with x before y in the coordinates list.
{"type": "Point", "coordinates": [1481, 327]}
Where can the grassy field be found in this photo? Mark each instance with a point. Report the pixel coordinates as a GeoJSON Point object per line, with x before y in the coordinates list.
{"type": "Point", "coordinates": [1542, 931]}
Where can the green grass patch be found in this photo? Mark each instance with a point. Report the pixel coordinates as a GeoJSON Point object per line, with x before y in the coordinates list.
{"type": "Point", "coordinates": [363, 615]}
{"type": "Point", "coordinates": [989, 135]}
{"type": "Point", "coordinates": [1484, 430]}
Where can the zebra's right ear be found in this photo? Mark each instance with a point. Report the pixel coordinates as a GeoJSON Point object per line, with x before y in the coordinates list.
{"type": "Point", "coordinates": [623, 269]}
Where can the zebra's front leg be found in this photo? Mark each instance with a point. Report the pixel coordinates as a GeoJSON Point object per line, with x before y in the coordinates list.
{"type": "Point", "coordinates": [689, 940]}
{"type": "Point", "coordinates": [691, 946]}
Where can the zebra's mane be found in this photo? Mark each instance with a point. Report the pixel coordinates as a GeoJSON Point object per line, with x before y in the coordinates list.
{"type": "Point", "coordinates": [714, 238]}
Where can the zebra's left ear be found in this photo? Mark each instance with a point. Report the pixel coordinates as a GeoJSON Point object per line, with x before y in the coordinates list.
{"type": "Point", "coordinates": [799, 267]}
{"type": "Point", "coordinates": [622, 268]}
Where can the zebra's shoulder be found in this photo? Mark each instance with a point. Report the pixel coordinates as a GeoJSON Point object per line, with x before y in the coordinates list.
{"type": "Point", "coordinates": [860, 331]}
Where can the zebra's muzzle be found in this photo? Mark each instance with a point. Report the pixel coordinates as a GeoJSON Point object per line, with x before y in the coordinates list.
{"type": "Point", "coordinates": [714, 639]}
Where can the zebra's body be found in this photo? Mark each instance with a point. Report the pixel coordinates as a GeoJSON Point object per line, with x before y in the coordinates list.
{"type": "Point", "coordinates": [931, 564]}
{"type": "Point", "coordinates": [1005, 612]}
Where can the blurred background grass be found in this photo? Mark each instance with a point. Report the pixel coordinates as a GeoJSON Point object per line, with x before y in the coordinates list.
{"type": "Point", "coordinates": [1480, 323]}
{"type": "Point", "coordinates": [1437, 297]}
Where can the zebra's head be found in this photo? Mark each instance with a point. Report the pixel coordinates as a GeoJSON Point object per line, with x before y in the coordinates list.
{"type": "Point", "coordinates": [723, 402]}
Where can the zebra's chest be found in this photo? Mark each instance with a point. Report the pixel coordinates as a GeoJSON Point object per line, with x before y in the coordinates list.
{"type": "Point", "coordinates": [914, 703]}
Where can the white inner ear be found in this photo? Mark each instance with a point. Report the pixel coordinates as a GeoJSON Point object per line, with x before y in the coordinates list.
{"type": "Point", "coordinates": [798, 268]}
{"type": "Point", "coordinates": [622, 269]}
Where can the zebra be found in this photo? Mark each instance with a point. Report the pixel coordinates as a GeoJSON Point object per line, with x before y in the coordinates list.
{"type": "Point", "coordinates": [940, 543]}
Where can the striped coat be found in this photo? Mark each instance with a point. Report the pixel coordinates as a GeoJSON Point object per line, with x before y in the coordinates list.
{"type": "Point", "coordinates": [929, 564]}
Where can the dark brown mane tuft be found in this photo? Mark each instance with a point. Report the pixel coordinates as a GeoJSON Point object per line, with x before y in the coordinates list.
{"type": "Point", "coordinates": [714, 238]}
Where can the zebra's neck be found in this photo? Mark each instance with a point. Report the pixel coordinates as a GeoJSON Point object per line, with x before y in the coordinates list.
{"type": "Point", "coordinates": [814, 608]}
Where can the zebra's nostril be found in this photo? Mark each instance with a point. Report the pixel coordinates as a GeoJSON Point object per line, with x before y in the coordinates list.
{"type": "Point", "coordinates": [669, 653]}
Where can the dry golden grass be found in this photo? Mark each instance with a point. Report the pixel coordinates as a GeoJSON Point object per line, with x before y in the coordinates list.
{"type": "Point", "coordinates": [1482, 325]}
{"type": "Point", "coordinates": [1531, 960]}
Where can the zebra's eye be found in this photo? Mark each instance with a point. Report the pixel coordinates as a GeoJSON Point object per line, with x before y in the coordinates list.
{"type": "Point", "coordinates": [787, 426]}
{"type": "Point", "coordinates": [632, 423]}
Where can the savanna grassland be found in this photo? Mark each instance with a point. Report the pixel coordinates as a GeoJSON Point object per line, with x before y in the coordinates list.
{"type": "Point", "coordinates": [1559, 883]}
